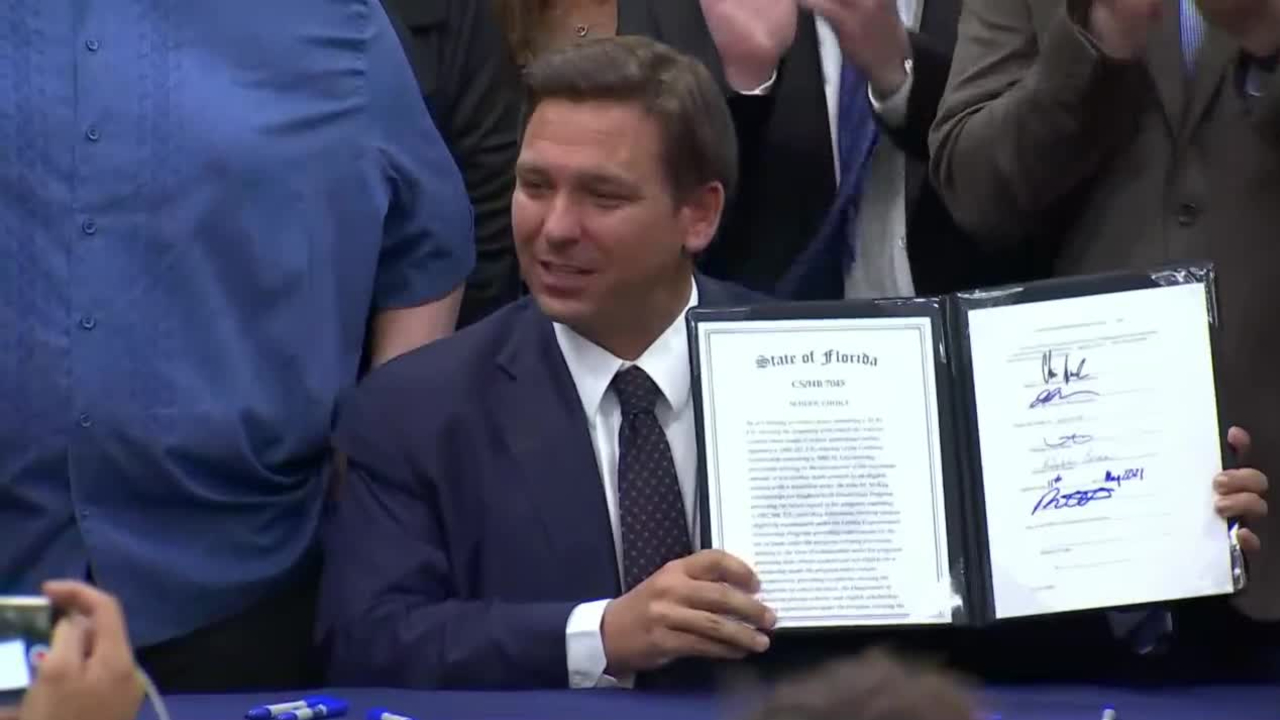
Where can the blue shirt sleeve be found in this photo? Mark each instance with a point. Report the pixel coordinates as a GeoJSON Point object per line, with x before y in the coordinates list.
{"type": "Point", "coordinates": [428, 237]}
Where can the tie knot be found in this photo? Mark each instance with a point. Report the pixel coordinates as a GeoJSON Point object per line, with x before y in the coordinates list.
{"type": "Point", "coordinates": [637, 392]}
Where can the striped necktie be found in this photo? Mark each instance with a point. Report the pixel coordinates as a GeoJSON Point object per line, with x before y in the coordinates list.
{"type": "Point", "coordinates": [1191, 24]}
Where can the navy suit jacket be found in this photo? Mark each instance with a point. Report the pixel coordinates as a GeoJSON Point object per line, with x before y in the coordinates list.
{"type": "Point", "coordinates": [472, 519]}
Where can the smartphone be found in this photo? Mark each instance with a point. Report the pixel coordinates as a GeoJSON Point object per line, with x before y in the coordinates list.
{"type": "Point", "coordinates": [26, 625]}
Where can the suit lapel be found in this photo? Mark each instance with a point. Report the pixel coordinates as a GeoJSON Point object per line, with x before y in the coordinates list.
{"type": "Point", "coordinates": [546, 428]}
{"type": "Point", "coordinates": [1164, 61]}
{"type": "Point", "coordinates": [1212, 65]}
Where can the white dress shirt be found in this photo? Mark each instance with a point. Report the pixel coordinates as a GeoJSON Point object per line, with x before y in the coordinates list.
{"type": "Point", "coordinates": [593, 368]}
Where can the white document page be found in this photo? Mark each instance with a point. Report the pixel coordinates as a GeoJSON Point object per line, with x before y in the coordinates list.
{"type": "Point", "coordinates": [1099, 442]}
{"type": "Point", "coordinates": [824, 466]}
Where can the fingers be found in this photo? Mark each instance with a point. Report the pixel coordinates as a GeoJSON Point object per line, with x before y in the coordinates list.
{"type": "Point", "coordinates": [684, 645]}
{"type": "Point", "coordinates": [720, 566]}
{"type": "Point", "coordinates": [66, 657]}
{"type": "Point", "coordinates": [1241, 505]}
{"type": "Point", "coordinates": [9, 713]}
{"type": "Point", "coordinates": [1240, 494]}
{"type": "Point", "coordinates": [712, 627]}
{"type": "Point", "coordinates": [1247, 480]}
{"type": "Point", "coordinates": [1248, 541]}
{"type": "Point", "coordinates": [102, 610]}
{"type": "Point", "coordinates": [1241, 443]}
{"type": "Point", "coordinates": [722, 599]}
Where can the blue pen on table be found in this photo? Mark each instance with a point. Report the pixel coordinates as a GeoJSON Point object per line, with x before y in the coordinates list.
{"type": "Point", "coordinates": [328, 709]}
{"type": "Point", "coordinates": [385, 714]}
{"type": "Point", "coordinates": [266, 712]}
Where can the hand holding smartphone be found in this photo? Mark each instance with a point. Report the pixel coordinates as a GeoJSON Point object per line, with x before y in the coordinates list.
{"type": "Point", "coordinates": [67, 655]}
{"type": "Point", "coordinates": [26, 628]}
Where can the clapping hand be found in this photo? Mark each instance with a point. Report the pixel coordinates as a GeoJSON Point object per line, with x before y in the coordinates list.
{"type": "Point", "coordinates": [751, 37]}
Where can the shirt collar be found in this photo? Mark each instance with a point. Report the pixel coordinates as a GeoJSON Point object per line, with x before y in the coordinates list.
{"type": "Point", "coordinates": [666, 361]}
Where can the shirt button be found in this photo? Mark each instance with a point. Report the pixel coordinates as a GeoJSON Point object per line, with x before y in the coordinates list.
{"type": "Point", "coordinates": [84, 420]}
{"type": "Point", "coordinates": [92, 134]}
{"type": "Point", "coordinates": [88, 322]}
{"type": "Point", "coordinates": [1188, 213]}
{"type": "Point", "coordinates": [92, 45]}
{"type": "Point", "coordinates": [89, 227]}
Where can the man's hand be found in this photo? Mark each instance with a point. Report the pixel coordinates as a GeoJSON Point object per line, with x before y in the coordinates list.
{"type": "Point", "coordinates": [1255, 24]}
{"type": "Point", "coordinates": [872, 37]}
{"type": "Point", "coordinates": [89, 671]}
{"type": "Point", "coordinates": [1240, 491]}
{"type": "Point", "coordinates": [697, 606]}
{"type": "Point", "coordinates": [751, 37]}
{"type": "Point", "coordinates": [1122, 27]}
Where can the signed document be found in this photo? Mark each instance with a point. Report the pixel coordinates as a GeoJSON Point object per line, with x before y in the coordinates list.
{"type": "Point", "coordinates": [1020, 451]}
{"type": "Point", "coordinates": [1099, 436]}
{"type": "Point", "coordinates": [823, 467]}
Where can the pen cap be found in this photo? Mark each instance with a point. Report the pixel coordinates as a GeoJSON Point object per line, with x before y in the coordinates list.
{"type": "Point", "coordinates": [334, 707]}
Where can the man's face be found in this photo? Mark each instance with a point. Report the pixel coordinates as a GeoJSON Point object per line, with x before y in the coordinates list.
{"type": "Point", "coordinates": [601, 239]}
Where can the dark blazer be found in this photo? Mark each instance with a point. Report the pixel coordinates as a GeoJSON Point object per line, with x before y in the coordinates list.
{"type": "Point", "coordinates": [473, 518]}
{"type": "Point", "coordinates": [473, 89]}
{"type": "Point", "coordinates": [787, 168]}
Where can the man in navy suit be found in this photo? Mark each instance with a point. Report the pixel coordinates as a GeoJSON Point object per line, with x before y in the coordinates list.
{"type": "Point", "coordinates": [519, 504]}
{"type": "Point", "coordinates": [519, 509]}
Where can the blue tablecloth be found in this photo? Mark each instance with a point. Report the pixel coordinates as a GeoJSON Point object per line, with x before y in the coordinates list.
{"type": "Point", "coordinates": [1023, 703]}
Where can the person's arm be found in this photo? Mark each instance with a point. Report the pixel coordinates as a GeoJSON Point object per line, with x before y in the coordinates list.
{"type": "Point", "coordinates": [907, 115]}
{"type": "Point", "coordinates": [428, 244]}
{"type": "Point", "coordinates": [390, 614]}
{"type": "Point", "coordinates": [1027, 120]}
{"type": "Point", "coordinates": [396, 332]}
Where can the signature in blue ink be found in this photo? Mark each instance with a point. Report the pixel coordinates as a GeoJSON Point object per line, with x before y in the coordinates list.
{"type": "Point", "coordinates": [1073, 439]}
{"type": "Point", "coordinates": [1049, 374]}
{"type": "Point", "coordinates": [1119, 479]}
{"type": "Point", "coordinates": [1049, 395]}
{"type": "Point", "coordinates": [1054, 498]}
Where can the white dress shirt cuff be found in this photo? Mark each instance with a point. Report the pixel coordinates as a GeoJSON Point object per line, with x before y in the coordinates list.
{"type": "Point", "coordinates": [584, 647]}
{"type": "Point", "coordinates": [764, 89]}
{"type": "Point", "coordinates": [893, 109]}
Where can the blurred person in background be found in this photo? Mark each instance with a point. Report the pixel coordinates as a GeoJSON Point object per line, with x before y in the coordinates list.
{"type": "Point", "coordinates": [832, 101]}
{"type": "Point", "coordinates": [1123, 135]}
{"type": "Point", "coordinates": [873, 685]}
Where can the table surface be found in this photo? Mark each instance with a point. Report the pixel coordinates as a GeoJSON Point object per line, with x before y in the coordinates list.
{"type": "Point", "coordinates": [1021, 703]}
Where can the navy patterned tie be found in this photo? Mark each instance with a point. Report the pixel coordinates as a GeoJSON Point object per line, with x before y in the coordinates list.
{"type": "Point", "coordinates": [856, 136]}
{"type": "Point", "coordinates": [650, 506]}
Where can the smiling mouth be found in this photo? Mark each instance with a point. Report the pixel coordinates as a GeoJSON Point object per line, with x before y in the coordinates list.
{"type": "Point", "coordinates": [561, 269]}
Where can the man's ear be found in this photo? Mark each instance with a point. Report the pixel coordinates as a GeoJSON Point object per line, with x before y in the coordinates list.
{"type": "Point", "coordinates": [700, 215]}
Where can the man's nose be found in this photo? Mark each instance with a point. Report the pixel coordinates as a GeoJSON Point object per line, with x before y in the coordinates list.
{"type": "Point", "coordinates": [563, 223]}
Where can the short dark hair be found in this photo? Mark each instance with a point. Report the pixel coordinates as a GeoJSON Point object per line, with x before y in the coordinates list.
{"type": "Point", "coordinates": [874, 685]}
{"type": "Point", "coordinates": [699, 142]}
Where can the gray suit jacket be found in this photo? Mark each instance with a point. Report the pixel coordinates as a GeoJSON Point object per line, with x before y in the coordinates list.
{"type": "Point", "coordinates": [1128, 165]}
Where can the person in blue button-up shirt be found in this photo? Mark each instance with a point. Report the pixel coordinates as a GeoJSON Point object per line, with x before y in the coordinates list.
{"type": "Point", "coordinates": [203, 206]}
